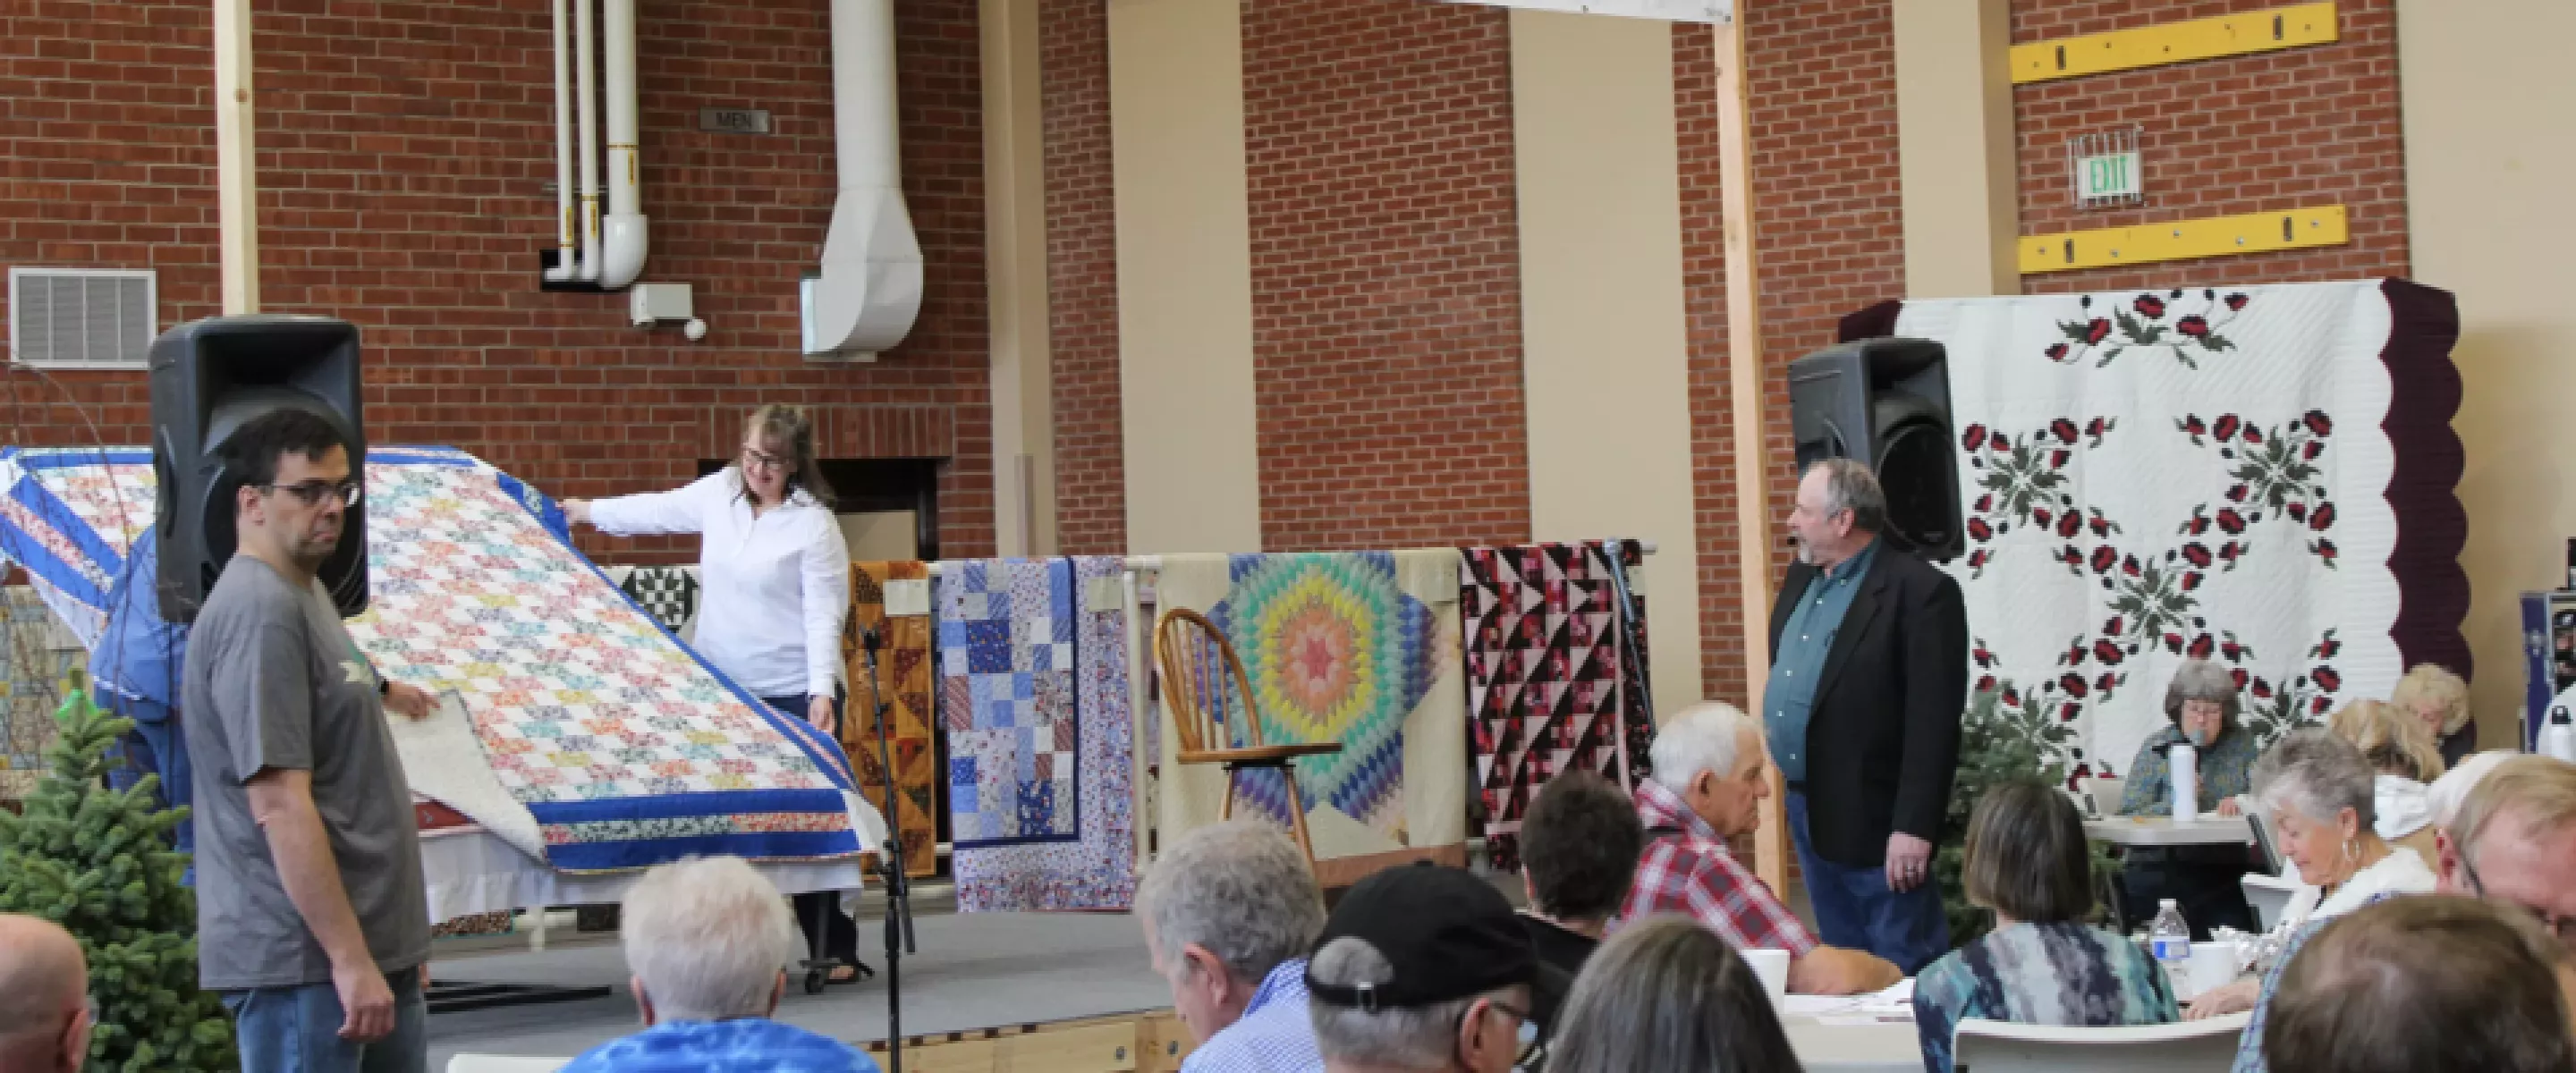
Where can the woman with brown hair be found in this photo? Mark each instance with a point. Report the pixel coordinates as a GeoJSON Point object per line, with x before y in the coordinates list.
{"type": "Point", "coordinates": [775, 580]}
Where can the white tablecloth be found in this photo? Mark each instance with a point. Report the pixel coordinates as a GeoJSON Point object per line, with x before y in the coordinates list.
{"type": "Point", "coordinates": [470, 871]}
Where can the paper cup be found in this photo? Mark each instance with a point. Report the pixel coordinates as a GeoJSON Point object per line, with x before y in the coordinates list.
{"type": "Point", "coordinates": [1773, 968]}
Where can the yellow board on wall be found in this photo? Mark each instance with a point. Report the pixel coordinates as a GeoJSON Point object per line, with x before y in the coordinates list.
{"type": "Point", "coordinates": [2182, 240]}
{"type": "Point", "coordinates": [2269, 30]}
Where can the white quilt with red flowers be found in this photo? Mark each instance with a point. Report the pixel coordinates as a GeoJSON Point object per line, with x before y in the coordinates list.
{"type": "Point", "coordinates": [2154, 476]}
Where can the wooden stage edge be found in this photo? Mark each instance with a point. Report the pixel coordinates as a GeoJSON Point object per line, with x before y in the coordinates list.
{"type": "Point", "coordinates": [1154, 1041]}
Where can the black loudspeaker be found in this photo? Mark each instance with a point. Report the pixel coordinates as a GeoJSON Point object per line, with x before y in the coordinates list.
{"type": "Point", "coordinates": [1886, 402]}
{"type": "Point", "coordinates": [209, 378]}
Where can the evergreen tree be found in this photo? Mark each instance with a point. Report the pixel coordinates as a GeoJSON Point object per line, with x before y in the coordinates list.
{"type": "Point", "coordinates": [2003, 736]}
{"type": "Point", "coordinates": [99, 863]}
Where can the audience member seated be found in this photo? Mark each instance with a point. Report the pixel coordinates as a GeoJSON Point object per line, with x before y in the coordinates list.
{"type": "Point", "coordinates": [2444, 797]}
{"type": "Point", "coordinates": [2028, 861]}
{"type": "Point", "coordinates": [2321, 798]}
{"type": "Point", "coordinates": [1579, 847]}
{"type": "Point", "coordinates": [1666, 993]}
{"type": "Point", "coordinates": [2206, 713]}
{"type": "Point", "coordinates": [1422, 970]}
{"type": "Point", "coordinates": [44, 998]}
{"type": "Point", "coordinates": [2397, 746]}
{"type": "Point", "coordinates": [708, 940]}
{"type": "Point", "coordinates": [2512, 842]}
{"type": "Point", "coordinates": [1229, 912]}
{"type": "Point", "coordinates": [2439, 700]}
{"type": "Point", "coordinates": [2424, 985]}
{"type": "Point", "coordinates": [1708, 787]}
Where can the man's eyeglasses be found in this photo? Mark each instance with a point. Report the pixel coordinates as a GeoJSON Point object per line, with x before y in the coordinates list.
{"type": "Point", "coordinates": [311, 493]}
{"type": "Point", "coordinates": [2564, 927]}
{"type": "Point", "coordinates": [1531, 1042]}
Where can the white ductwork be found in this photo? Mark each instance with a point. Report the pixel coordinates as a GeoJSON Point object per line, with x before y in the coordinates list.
{"type": "Point", "coordinates": [588, 110]}
{"type": "Point", "coordinates": [567, 223]}
{"type": "Point", "coordinates": [869, 292]}
{"type": "Point", "coordinates": [622, 235]}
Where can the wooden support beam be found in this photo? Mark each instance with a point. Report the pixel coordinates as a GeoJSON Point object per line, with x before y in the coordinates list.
{"type": "Point", "coordinates": [236, 168]}
{"type": "Point", "coordinates": [1753, 523]}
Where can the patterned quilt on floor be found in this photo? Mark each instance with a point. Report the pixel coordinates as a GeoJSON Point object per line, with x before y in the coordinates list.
{"type": "Point", "coordinates": [2260, 476]}
{"type": "Point", "coordinates": [1359, 648]}
{"type": "Point", "coordinates": [1034, 684]}
{"type": "Point", "coordinates": [623, 746]}
{"type": "Point", "coordinates": [903, 682]}
{"type": "Point", "coordinates": [1555, 676]}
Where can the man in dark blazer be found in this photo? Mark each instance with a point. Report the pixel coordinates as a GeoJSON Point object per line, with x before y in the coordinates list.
{"type": "Point", "coordinates": [1869, 676]}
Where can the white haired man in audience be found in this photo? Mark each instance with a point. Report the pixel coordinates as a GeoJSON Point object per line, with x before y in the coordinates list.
{"type": "Point", "coordinates": [1422, 970]}
{"type": "Point", "coordinates": [1708, 787]}
{"type": "Point", "coordinates": [708, 940]}
{"type": "Point", "coordinates": [2512, 843]}
{"type": "Point", "coordinates": [44, 997]}
{"type": "Point", "coordinates": [1229, 912]}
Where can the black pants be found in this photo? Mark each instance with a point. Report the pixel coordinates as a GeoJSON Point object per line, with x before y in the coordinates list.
{"type": "Point", "coordinates": [840, 932]}
{"type": "Point", "coordinates": [2204, 882]}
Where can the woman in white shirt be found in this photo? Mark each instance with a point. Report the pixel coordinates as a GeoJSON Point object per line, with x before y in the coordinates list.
{"type": "Point", "coordinates": [774, 581]}
{"type": "Point", "coordinates": [2322, 799]}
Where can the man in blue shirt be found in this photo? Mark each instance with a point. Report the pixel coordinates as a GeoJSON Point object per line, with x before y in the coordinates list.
{"type": "Point", "coordinates": [1869, 676]}
{"type": "Point", "coordinates": [1230, 911]}
{"type": "Point", "coordinates": [706, 939]}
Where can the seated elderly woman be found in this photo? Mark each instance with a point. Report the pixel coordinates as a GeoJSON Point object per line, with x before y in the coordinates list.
{"type": "Point", "coordinates": [1666, 993]}
{"type": "Point", "coordinates": [2318, 793]}
{"type": "Point", "coordinates": [2203, 704]}
{"type": "Point", "coordinates": [2027, 860]}
{"type": "Point", "coordinates": [2398, 746]}
{"type": "Point", "coordinates": [2438, 698]}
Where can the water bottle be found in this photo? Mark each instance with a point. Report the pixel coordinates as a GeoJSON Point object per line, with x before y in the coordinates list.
{"type": "Point", "coordinates": [2558, 739]}
{"type": "Point", "coordinates": [2170, 940]}
{"type": "Point", "coordinates": [2183, 763]}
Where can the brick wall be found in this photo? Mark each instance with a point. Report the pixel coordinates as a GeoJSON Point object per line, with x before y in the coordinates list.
{"type": "Point", "coordinates": [2279, 130]}
{"type": "Point", "coordinates": [1082, 276]}
{"type": "Point", "coordinates": [1721, 588]}
{"type": "Point", "coordinates": [404, 151]}
{"type": "Point", "coordinates": [1385, 273]}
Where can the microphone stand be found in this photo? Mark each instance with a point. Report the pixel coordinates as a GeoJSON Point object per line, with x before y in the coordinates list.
{"type": "Point", "coordinates": [890, 867]}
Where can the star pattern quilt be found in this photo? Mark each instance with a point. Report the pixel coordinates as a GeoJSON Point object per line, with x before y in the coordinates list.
{"type": "Point", "coordinates": [1036, 696]}
{"type": "Point", "coordinates": [1555, 681]}
{"type": "Point", "coordinates": [623, 746]}
{"type": "Point", "coordinates": [2259, 476]}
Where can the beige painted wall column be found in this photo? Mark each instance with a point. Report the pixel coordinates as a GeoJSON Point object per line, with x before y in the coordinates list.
{"type": "Point", "coordinates": [1955, 147]}
{"type": "Point", "coordinates": [1015, 256]}
{"type": "Point", "coordinates": [1184, 276]}
{"type": "Point", "coordinates": [2489, 147]}
{"type": "Point", "coordinates": [1605, 355]}
{"type": "Point", "coordinates": [236, 159]}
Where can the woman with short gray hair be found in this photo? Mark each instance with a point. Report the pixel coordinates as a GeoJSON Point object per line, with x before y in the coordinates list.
{"type": "Point", "coordinates": [2318, 792]}
{"type": "Point", "coordinates": [1667, 993]}
{"type": "Point", "coordinates": [2204, 706]}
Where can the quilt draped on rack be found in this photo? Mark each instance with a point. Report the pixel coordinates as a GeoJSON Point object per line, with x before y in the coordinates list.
{"type": "Point", "coordinates": [619, 745]}
{"type": "Point", "coordinates": [33, 678]}
{"type": "Point", "coordinates": [1035, 695]}
{"type": "Point", "coordinates": [1355, 647]}
{"type": "Point", "coordinates": [2259, 476]}
{"type": "Point", "coordinates": [1556, 674]}
{"type": "Point", "coordinates": [668, 593]}
{"type": "Point", "coordinates": [903, 683]}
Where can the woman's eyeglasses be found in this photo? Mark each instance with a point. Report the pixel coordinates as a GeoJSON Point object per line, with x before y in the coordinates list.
{"type": "Point", "coordinates": [755, 458]}
{"type": "Point", "coordinates": [311, 493]}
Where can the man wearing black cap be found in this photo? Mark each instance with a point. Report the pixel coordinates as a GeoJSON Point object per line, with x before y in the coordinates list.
{"type": "Point", "coordinates": [1421, 970]}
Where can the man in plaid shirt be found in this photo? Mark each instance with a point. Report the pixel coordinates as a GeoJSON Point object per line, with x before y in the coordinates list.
{"type": "Point", "coordinates": [1708, 787]}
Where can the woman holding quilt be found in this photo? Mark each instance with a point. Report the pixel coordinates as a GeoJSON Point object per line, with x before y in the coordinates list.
{"type": "Point", "coordinates": [774, 575]}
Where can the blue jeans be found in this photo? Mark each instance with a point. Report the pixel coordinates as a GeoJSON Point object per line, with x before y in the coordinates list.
{"type": "Point", "coordinates": [297, 1030]}
{"type": "Point", "coordinates": [1856, 910]}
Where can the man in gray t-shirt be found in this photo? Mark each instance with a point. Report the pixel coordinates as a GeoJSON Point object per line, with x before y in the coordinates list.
{"type": "Point", "coordinates": [312, 919]}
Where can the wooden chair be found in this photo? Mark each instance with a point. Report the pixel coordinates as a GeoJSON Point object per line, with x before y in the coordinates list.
{"type": "Point", "coordinates": [1198, 665]}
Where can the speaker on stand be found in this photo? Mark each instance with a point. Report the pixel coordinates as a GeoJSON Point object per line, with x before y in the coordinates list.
{"type": "Point", "coordinates": [209, 378]}
{"type": "Point", "coordinates": [1886, 402]}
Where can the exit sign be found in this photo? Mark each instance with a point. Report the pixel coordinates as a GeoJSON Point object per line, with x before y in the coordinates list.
{"type": "Point", "coordinates": [2108, 177]}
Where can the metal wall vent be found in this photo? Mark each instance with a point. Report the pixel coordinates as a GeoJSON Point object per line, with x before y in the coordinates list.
{"type": "Point", "coordinates": [82, 318]}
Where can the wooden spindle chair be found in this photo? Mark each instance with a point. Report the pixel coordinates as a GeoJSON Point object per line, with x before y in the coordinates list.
{"type": "Point", "coordinates": [1199, 667]}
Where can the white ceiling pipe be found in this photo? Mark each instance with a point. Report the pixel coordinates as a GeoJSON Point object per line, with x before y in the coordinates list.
{"type": "Point", "coordinates": [567, 224]}
{"type": "Point", "coordinates": [869, 291]}
{"type": "Point", "coordinates": [587, 108]}
{"type": "Point", "coordinates": [622, 243]}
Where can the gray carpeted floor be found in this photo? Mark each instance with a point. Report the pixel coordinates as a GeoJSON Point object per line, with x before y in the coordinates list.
{"type": "Point", "coordinates": [972, 972]}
